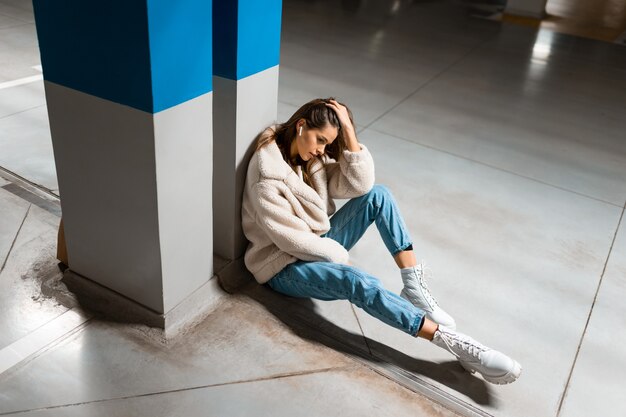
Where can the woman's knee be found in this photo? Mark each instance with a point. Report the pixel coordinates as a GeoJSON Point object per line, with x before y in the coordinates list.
{"type": "Point", "coordinates": [379, 194]}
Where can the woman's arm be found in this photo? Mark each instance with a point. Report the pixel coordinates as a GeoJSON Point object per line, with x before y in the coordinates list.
{"type": "Point", "coordinates": [353, 175]}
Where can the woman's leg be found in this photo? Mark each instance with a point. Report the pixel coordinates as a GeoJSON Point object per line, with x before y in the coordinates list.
{"type": "Point", "coordinates": [379, 207]}
{"type": "Point", "coordinates": [330, 281]}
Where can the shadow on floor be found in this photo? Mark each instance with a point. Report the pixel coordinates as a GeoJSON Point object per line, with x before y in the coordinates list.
{"type": "Point", "coordinates": [301, 317]}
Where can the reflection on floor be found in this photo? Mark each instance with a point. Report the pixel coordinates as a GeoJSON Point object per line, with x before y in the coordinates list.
{"type": "Point", "coordinates": [603, 20]}
{"type": "Point", "coordinates": [595, 19]}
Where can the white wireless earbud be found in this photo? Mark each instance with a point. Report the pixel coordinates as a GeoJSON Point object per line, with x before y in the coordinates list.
{"type": "Point", "coordinates": [300, 130]}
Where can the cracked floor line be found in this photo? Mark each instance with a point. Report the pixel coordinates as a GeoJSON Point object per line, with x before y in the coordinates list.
{"type": "Point", "coordinates": [595, 298]}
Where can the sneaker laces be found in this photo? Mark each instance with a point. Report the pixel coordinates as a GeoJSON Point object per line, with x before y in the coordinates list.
{"type": "Point", "coordinates": [466, 343]}
{"type": "Point", "coordinates": [421, 270]}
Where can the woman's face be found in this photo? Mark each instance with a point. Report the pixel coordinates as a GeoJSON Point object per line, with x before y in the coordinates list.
{"type": "Point", "coordinates": [312, 142]}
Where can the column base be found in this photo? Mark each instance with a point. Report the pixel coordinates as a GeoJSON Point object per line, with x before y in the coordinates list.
{"type": "Point", "coordinates": [232, 274]}
{"type": "Point", "coordinates": [113, 306]}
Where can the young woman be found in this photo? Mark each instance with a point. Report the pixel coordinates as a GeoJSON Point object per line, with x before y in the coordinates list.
{"type": "Point", "coordinates": [298, 168]}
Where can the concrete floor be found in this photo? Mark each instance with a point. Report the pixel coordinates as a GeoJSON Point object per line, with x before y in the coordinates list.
{"type": "Point", "coordinates": [505, 149]}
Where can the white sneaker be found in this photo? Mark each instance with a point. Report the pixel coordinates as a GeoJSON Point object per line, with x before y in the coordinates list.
{"type": "Point", "coordinates": [417, 293]}
{"type": "Point", "coordinates": [494, 366]}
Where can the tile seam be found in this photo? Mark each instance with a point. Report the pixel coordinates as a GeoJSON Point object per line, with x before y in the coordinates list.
{"type": "Point", "coordinates": [367, 345]}
{"type": "Point", "coordinates": [498, 168]}
{"type": "Point", "coordinates": [15, 238]}
{"type": "Point", "coordinates": [260, 379]}
{"type": "Point", "coordinates": [433, 78]}
{"type": "Point", "coordinates": [392, 372]}
{"type": "Point", "coordinates": [414, 384]}
{"type": "Point", "coordinates": [22, 111]}
{"type": "Point", "coordinates": [584, 333]}
{"type": "Point", "coordinates": [48, 344]}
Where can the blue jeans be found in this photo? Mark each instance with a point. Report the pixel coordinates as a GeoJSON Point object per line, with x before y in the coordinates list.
{"type": "Point", "coordinates": [331, 281]}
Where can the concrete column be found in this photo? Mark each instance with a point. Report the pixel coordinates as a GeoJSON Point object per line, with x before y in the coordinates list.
{"type": "Point", "coordinates": [246, 57]}
{"type": "Point", "coordinates": [129, 93]}
{"type": "Point", "coordinates": [528, 8]}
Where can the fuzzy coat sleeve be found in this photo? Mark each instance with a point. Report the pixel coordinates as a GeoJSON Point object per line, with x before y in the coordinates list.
{"type": "Point", "coordinates": [290, 233]}
{"type": "Point", "coordinates": [352, 176]}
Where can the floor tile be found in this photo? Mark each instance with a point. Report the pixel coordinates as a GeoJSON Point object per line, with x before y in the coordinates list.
{"type": "Point", "coordinates": [517, 39]}
{"type": "Point", "coordinates": [561, 138]}
{"type": "Point", "coordinates": [27, 147]}
{"type": "Point", "coordinates": [23, 307]}
{"type": "Point", "coordinates": [376, 40]}
{"type": "Point", "coordinates": [353, 27]}
{"type": "Point", "coordinates": [506, 252]}
{"type": "Point", "coordinates": [599, 377]}
{"type": "Point", "coordinates": [369, 64]}
{"type": "Point", "coordinates": [537, 73]}
{"type": "Point", "coordinates": [346, 392]}
{"type": "Point", "coordinates": [38, 340]}
{"type": "Point", "coordinates": [20, 98]}
{"type": "Point", "coordinates": [18, 52]}
{"type": "Point", "coordinates": [369, 86]}
{"type": "Point", "coordinates": [340, 313]}
{"type": "Point", "coordinates": [238, 342]}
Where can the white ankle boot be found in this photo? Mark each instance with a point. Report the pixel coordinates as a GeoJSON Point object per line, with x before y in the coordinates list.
{"type": "Point", "coordinates": [494, 366]}
{"type": "Point", "coordinates": [417, 293]}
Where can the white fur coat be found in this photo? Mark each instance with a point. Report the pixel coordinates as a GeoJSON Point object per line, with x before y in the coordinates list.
{"type": "Point", "coordinates": [283, 218]}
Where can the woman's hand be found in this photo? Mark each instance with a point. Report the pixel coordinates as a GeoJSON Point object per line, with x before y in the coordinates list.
{"type": "Point", "coordinates": [348, 130]}
{"type": "Point", "coordinates": [342, 113]}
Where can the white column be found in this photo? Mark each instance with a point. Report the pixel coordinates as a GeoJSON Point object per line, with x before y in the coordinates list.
{"type": "Point", "coordinates": [129, 95]}
{"type": "Point", "coordinates": [246, 58]}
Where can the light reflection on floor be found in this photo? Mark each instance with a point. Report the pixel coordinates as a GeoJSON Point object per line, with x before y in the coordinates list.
{"type": "Point", "coordinates": [596, 19]}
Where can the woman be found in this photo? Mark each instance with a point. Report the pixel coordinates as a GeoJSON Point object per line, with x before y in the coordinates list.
{"type": "Point", "coordinates": [298, 168]}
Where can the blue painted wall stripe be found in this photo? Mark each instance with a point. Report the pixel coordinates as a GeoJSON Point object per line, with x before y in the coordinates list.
{"type": "Point", "coordinates": [181, 49]}
{"type": "Point", "coordinates": [147, 54]}
{"type": "Point", "coordinates": [246, 37]}
{"type": "Point", "coordinates": [99, 48]}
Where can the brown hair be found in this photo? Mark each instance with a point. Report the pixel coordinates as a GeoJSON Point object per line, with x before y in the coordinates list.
{"type": "Point", "coordinates": [317, 115]}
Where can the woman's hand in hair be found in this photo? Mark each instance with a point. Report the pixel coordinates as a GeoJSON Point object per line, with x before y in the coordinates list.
{"type": "Point", "coordinates": [348, 132]}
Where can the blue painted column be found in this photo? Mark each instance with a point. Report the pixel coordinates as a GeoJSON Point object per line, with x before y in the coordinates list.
{"type": "Point", "coordinates": [246, 61]}
{"type": "Point", "coordinates": [129, 93]}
